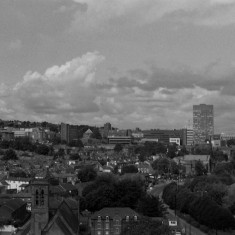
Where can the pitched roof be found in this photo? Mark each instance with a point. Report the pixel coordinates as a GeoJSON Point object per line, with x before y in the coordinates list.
{"type": "Point", "coordinates": [65, 219]}
{"type": "Point", "coordinates": [203, 158]}
{"type": "Point", "coordinates": [88, 131]}
{"type": "Point", "coordinates": [3, 182]}
{"type": "Point", "coordinates": [115, 211]}
{"type": "Point", "coordinates": [18, 179]}
{"type": "Point", "coordinates": [68, 187]}
{"type": "Point", "coordinates": [9, 207]}
{"type": "Point", "coordinates": [14, 204]}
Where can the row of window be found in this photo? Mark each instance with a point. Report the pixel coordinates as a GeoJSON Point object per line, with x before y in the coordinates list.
{"type": "Point", "coordinates": [117, 221]}
{"type": "Point", "coordinates": [117, 231]}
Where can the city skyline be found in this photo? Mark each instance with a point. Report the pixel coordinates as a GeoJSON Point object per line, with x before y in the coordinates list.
{"type": "Point", "coordinates": [130, 63]}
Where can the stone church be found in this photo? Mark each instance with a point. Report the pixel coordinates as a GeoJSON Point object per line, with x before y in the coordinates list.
{"type": "Point", "coordinates": [63, 220]}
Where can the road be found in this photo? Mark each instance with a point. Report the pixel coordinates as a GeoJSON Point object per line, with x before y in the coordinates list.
{"type": "Point", "coordinates": [189, 229]}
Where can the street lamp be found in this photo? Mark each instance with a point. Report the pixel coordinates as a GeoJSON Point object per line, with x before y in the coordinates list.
{"type": "Point", "coordinates": [211, 154]}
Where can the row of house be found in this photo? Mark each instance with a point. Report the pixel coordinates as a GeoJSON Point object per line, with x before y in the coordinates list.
{"type": "Point", "coordinates": [35, 134]}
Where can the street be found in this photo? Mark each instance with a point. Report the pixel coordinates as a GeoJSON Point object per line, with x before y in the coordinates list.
{"type": "Point", "coordinates": [189, 229]}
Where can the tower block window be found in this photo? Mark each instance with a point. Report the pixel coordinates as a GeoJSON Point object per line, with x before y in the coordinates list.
{"type": "Point", "coordinates": [42, 197]}
{"type": "Point", "coordinates": [37, 198]}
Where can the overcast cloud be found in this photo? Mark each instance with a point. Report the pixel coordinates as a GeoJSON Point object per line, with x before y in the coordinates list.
{"type": "Point", "coordinates": [133, 63]}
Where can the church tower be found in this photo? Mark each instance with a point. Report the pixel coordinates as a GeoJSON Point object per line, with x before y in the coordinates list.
{"type": "Point", "coordinates": [40, 205]}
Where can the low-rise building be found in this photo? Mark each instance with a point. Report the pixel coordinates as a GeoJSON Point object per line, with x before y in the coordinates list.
{"type": "Point", "coordinates": [119, 139]}
{"type": "Point", "coordinates": [189, 162]}
{"type": "Point", "coordinates": [110, 221]}
{"type": "Point", "coordinates": [16, 183]}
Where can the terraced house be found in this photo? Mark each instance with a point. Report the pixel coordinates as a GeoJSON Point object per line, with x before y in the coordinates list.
{"type": "Point", "coordinates": [110, 221]}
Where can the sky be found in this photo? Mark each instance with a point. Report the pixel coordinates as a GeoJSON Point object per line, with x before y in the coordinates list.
{"type": "Point", "coordinates": [133, 63]}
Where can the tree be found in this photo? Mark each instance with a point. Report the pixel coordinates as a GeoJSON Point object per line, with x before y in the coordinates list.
{"type": "Point", "coordinates": [96, 133]}
{"type": "Point", "coordinates": [118, 148]}
{"type": "Point", "coordinates": [42, 149]}
{"type": "Point", "coordinates": [199, 205]}
{"type": "Point", "coordinates": [145, 226]}
{"type": "Point", "coordinates": [231, 142]}
{"type": "Point", "coordinates": [61, 152]}
{"type": "Point", "coordinates": [115, 169]}
{"type": "Point", "coordinates": [76, 143]}
{"type": "Point", "coordinates": [171, 151]}
{"type": "Point", "coordinates": [10, 154]}
{"type": "Point", "coordinates": [5, 144]}
{"type": "Point", "coordinates": [199, 168]}
{"type": "Point", "coordinates": [162, 165]}
{"type": "Point", "coordinates": [87, 174]}
{"type": "Point", "coordinates": [154, 148]}
{"type": "Point", "coordinates": [103, 162]}
{"type": "Point", "coordinates": [219, 156]}
{"type": "Point", "coordinates": [142, 158]}
{"type": "Point", "coordinates": [75, 156]}
{"type": "Point", "coordinates": [129, 169]}
{"type": "Point", "coordinates": [107, 191]}
{"type": "Point", "coordinates": [151, 206]}
{"type": "Point", "coordinates": [224, 168]}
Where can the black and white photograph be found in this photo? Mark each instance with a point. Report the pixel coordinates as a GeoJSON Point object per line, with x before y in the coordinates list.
{"type": "Point", "coordinates": [117, 117]}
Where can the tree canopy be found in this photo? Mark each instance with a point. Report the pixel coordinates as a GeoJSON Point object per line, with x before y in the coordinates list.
{"type": "Point", "coordinates": [145, 226]}
{"type": "Point", "coordinates": [151, 206]}
{"type": "Point", "coordinates": [202, 200]}
{"type": "Point", "coordinates": [118, 148]}
{"type": "Point", "coordinates": [129, 169]}
{"type": "Point", "coordinates": [199, 168]}
{"type": "Point", "coordinates": [108, 191]}
{"type": "Point", "coordinates": [87, 174]}
{"type": "Point", "coordinates": [9, 154]}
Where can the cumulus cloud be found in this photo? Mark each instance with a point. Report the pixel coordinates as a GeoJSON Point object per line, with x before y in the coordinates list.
{"type": "Point", "coordinates": [139, 12]}
{"type": "Point", "coordinates": [75, 92]}
{"type": "Point", "coordinates": [65, 88]}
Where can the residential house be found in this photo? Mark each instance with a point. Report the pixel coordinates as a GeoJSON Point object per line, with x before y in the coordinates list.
{"type": "Point", "coordinates": [110, 221]}
{"type": "Point", "coordinates": [144, 167]}
{"type": "Point", "coordinates": [13, 211]}
{"type": "Point", "coordinates": [189, 162]}
{"type": "Point", "coordinates": [16, 183]}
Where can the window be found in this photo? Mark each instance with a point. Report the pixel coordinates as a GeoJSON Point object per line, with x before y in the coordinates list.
{"type": "Point", "coordinates": [99, 218]}
{"type": "Point", "coordinates": [36, 198]}
{"type": "Point", "coordinates": [98, 232]}
{"type": "Point", "coordinates": [127, 218]}
{"type": "Point", "coordinates": [42, 197]}
{"type": "Point", "coordinates": [117, 231]}
{"type": "Point", "coordinates": [107, 218]}
{"type": "Point", "coordinates": [135, 218]}
{"type": "Point", "coordinates": [107, 226]}
{"type": "Point", "coordinates": [98, 225]}
{"type": "Point", "coordinates": [117, 222]}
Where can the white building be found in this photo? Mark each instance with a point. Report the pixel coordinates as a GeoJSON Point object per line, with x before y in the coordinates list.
{"type": "Point", "coordinates": [175, 140]}
{"type": "Point", "coordinates": [15, 183]}
{"type": "Point", "coordinates": [19, 133]}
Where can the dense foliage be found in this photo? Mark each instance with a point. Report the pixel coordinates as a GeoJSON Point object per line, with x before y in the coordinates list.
{"type": "Point", "coordinates": [9, 154]}
{"type": "Point", "coordinates": [118, 148]}
{"type": "Point", "coordinates": [151, 148]}
{"type": "Point", "coordinates": [165, 165]}
{"type": "Point", "coordinates": [151, 206]}
{"type": "Point", "coordinates": [87, 174]}
{"type": "Point", "coordinates": [24, 144]}
{"type": "Point", "coordinates": [109, 191]}
{"type": "Point", "coordinates": [129, 169]}
{"type": "Point", "coordinates": [145, 226]}
{"type": "Point", "coordinates": [199, 204]}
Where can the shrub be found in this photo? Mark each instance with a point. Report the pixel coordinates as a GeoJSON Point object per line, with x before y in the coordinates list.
{"type": "Point", "coordinates": [204, 228]}
{"type": "Point", "coordinates": [195, 224]}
